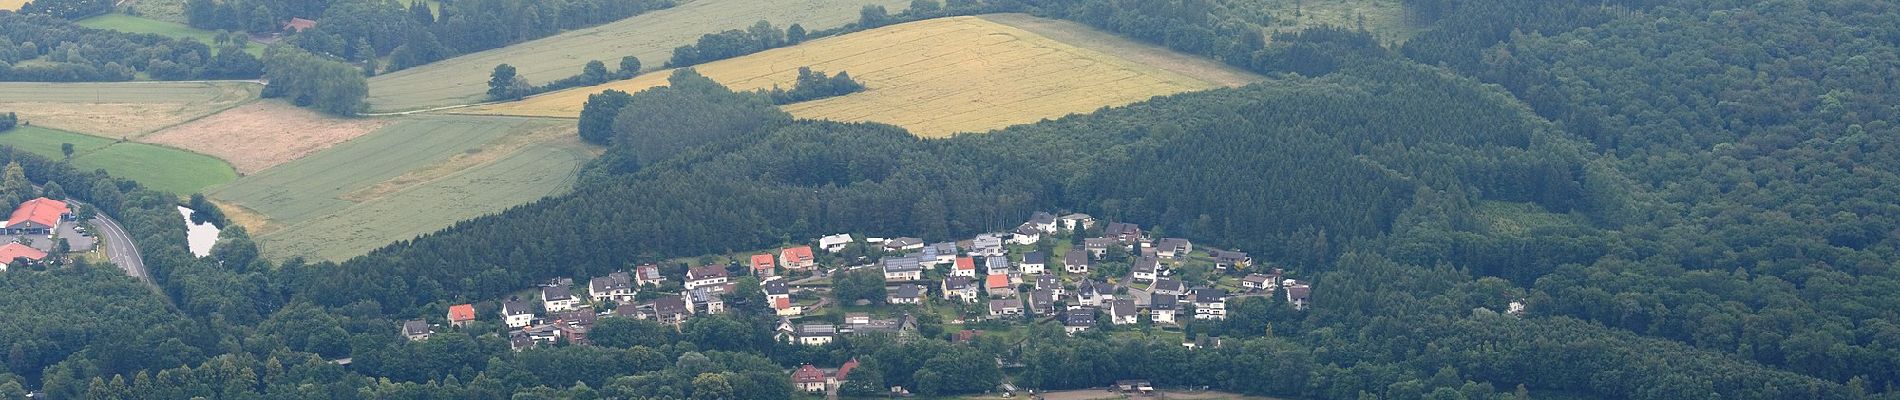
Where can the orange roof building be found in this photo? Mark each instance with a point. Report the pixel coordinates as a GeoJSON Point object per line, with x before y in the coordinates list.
{"type": "Point", "coordinates": [37, 216]}
{"type": "Point", "coordinates": [13, 251]}
{"type": "Point", "coordinates": [461, 314]}
{"type": "Point", "coordinates": [997, 281]}
{"type": "Point", "coordinates": [298, 25]}
{"type": "Point", "coordinates": [762, 264]}
{"type": "Point", "coordinates": [797, 257]}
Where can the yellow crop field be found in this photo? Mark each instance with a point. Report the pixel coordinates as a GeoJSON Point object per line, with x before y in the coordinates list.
{"type": "Point", "coordinates": [935, 77]}
{"type": "Point", "coordinates": [11, 5]}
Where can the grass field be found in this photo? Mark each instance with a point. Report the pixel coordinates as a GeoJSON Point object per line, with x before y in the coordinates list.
{"type": "Point", "coordinates": [264, 134]}
{"type": "Point", "coordinates": [1385, 18]}
{"type": "Point", "coordinates": [120, 109]}
{"type": "Point", "coordinates": [947, 75]}
{"type": "Point", "coordinates": [412, 177]}
{"type": "Point", "coordinates": [177, 171]}
{"type": "Point", "coordinates": [651, 36]}
{"type": "Point", "coordinates": [131, 24]}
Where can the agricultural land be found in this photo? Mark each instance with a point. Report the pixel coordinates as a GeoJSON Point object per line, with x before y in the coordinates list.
{"type": "Point", "coordinates": [123, 109]}
{"type": "Point", "coordinates": [263, 134]}
{"type": "Point", "coordinates": [158, 167]}
{"type": "Point", "coordinates": [943, 76]}
{"type": "Point", "coordinates": [131, 24]}
{"type": "Point", "coordinates": [11, 5]}
{"type": "Point", "coordinates": [651, 37]}
{"type": "Point", "coordinates": [411, 177]}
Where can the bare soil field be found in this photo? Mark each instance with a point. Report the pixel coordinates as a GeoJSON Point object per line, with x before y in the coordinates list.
{"type": "Point", "coordinates": [264, 134]}
{"type": "Point", "coordinates": [121, 109]}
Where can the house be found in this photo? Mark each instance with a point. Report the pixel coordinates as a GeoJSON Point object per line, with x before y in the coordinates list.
{"type": "Point", "coordinates": [416, 330]}
{"type": "Point", "coordinates": [938, 254]}
{"type": "Point", "coordinates": [557, 299]}
{"type": "Point", "coordinates": [1043, 301]}
{"type": "Point", "coordinates": [616, 286]}
{"type": "Point", "coordinates": [648, 274]}
{"type": "Point", "coordinates": [461, 314]}
{"type": "Point", "coordinates": [1042, 222]}
{"type": "Point", "coordinates": [1146, 269]}
{"type": "Point", "coordinates": [844, 373]}
{"type": "Point", "coordinates": [705, 276]}
{"type": "Point", "coordinates": [544, 333]}
{"type": "Point", "coordinates": [575, 333]}
{"type": "Point", "coordinates": [516, 314]}
{"type": "Point", "coordinates": [583, 316]}
{"type": "Point", "coordinates": [1162, 307]}
{"type": "Point", "coordinates": [40, 216]}
{"type": "Point", "coordinates": [1134, 386]}
{"type": "Point", "coordinates": [298, 25]}
{"type": "Point", "coordinates": [997, 285]}
{"type": "Point", "coordinates": [902, 269]}
{"type": "Point", "coordinates": [784, 307]}
{"type": "Point", "coordinates": [1257, 282]}
{"type": "Point", "coordinates": [857, 318]}
{"type": "Point", "coordinates": [1076, 222]}
{"type": "Point", "coordinates": [903, 244]}
{"type": "Point", "coordinates": [1210, 303]}
{"type": "Point", "coordinates": [1169, 287]}
{"type": "Point", "coordinates": [1123, 312]}
{"type": "Point", "coordinates": [1122, 232]}
{"type": "Point", "coordinates": [1035, 262]}
{"type": "Point", "coordinates": [1078, 319]}
{"type": "Point", "coordinates": [959, 288]}
{"type": "Point", "coordinates": [775, 289]}
{"type": "Point", "coordinates": [1025, 235]}
{"type": "Point", "coordinates": [997, 265]}
{"type": "Point", "coordinates": [814, 334]}
{"type": "Point", "coordinates": [797, 258]}
{"type": "Point", "coordinates": [1098, 247]}
{"type": "Point", "coordinates": [1049, 283]}
{"type": "Point", "coordinates": [518, 341]}
{"type": "Point", "coordinates": [1172, 248]}
{"type": "Point", "coordinates": [904, 326]}
{"type": "Point", "coordinates": [764, 266]}
{"type": "Point", "coordinates": [964, 266]}
{"type": "Point", "coordinates": [1202, 342]}
{"type": "Point", "coordinates": [987, 245]}
{"type": "Point", "coordinates": [1298, 293]}
{"type": "Point", "coordinates": [670, 310]}
{"type": "Point", "coordinates": [1090, 293]}
{"type": "Point", "coordinates": [1076, 262]}
{"type": "Point", "coordinates": [810, 379]}
{"type": "Point", "coordinates": [835, 243]}
{"type": "Point", "coordinates": [1006, 307]}
{"type": "Point", "coordinates": [15, 251]}
{"type": "Point", "coordinates": [708, 299]}
{"type": "Point", "coordinates": [907, 294]}
{"type": "Point", "coordinates": [1224, 259]}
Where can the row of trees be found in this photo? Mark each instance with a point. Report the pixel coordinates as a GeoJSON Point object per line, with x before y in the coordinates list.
{"type": "Point", "coordinates": [506, 84]}
{"type": "Point", "coordinates": [63, 52]}
{"type": "Point", "coordinates": [68, 9]}
{"type": "Point", "coordinates": [813, 85]}
{"type": "Point", "coordinates": [763, 36]}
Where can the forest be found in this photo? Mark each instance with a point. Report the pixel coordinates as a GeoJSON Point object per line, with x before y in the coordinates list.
{"type": "Point", "coordinates": [1693, 199]}
{"type": "Point", "coordinates": [40, 48]}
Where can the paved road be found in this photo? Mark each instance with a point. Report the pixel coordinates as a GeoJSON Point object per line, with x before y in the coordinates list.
{"type": "Point", "coordinates": [120, 249]}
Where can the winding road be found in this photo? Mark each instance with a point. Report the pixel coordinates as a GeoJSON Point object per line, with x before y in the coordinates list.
{"type": "Point", "coordinates": [120, 249]}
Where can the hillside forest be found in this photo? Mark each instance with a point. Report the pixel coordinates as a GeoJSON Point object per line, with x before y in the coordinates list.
{"type": "Point", "coordinates": [1691, 199]}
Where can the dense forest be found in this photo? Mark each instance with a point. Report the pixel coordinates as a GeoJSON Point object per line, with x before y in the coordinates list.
{"type": "Point", "coordinates": [35, 47]}
{"type": "Point", "coordinates": [314, 80]}
{"type": "Point", "coordinates": [1693, 199]}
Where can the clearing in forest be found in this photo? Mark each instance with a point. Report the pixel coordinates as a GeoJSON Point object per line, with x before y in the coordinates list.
{"type": "Point", "coordinates": [131, 24]}
{"type": "Point", "coordinates": [651, 37]}
{"type": "Point", "coordinates": [121, 109]}
{"type": "Point", "coordinates": [415, 176]}
{"type": "Point", "coordinates": [177, 171]}
{"type": "Point", "coordinates": [943, 76]}
{"type": "Point", "coordinates": [1386, 19]}
{"type": "Point", "coordinates": [263, 134]}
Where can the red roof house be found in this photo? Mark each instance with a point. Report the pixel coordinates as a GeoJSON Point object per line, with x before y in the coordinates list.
{"type": "Point", "coordinates": [13, 251]}
{"type": "Point", "coordinates": [965, 266]}
{"type": "Point", "coordinates": [844, 371]}
{"type": "Point", "coordinates": [797, 257]}
{"type": "Point", "coordinates": [762, 264]}
{"type": "Point", "coordinates": [809, 379]}
{"type": "Point", "coordinates": [461, 314]}
{"type": "Point", "coordinates": [37, 216]}
{"type": "Point", "coordinates": [298, 25]}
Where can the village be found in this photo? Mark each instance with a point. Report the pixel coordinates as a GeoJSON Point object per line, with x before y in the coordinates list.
{"type": "Point", "coordinates": [1067, 270]}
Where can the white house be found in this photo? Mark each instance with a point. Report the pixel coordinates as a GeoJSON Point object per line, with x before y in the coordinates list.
{"type": "Point", "coordinates": [906, 294]}
{"type": "Point", "coordinates": [1090, 293]}
{"type": "Point", "coordinates": [648, 274]}
{"type": "Point", "coordinates": [835, 243]}
{"type": "Point", "coordinates": [959, 288]}
{"type": "Point", "coordinates": [964, 266]}
{"type": "Point", "coordinates": [1077, 221]}
{"type": "Point", "coordinates": [1146, 269]}
{"type": "Point", "coordinates": [1035, 263]}
{"type": "Point", "coordinates": [1173, 248]}
{"type": "Point", "coordinates": [1298, 293]}
{"type": "Point", "coordinates": [987, 245]}
{"type": "Point", "coordinates": [1210, 303]}
{"type": "Point", "coordinates": [1162, 308]}
{"type": "Point", "coordinates": [1025, 235]}
{"type": "Point", "coordinates": [1076, 262]}
{"type": "Point", "coordinates": [1006, 307]}
{"type": "Point", "coordinates": [517, 314]}
{"type": "Point", "coordinates": [616, 286]}
{"type": "Point", "coordinates": [1076, 320]}
{"type": "Point", "coordinates": [902, 269]}
{"type": "Point", "coordinates": [705, 276]}
{"type": "Point", "coordinates": [1042, 222]}
{"type": "Point", "coordinates": [797, 258]}
{"type": "Point", "coordinates": [1122, 312]}
{"type": "Point", "coordinates": [903, 244]}
{"type": "Point", "coordinates": [1169, 287]}
{"type": "Point", "coordinates": [557, 299]}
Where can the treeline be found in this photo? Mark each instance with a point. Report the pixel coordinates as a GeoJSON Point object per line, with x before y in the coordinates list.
{"type": "Point", "coordinates": [315, 81]}
{"type": "Point", "coordinates": [40, 48]}
{"type": "Point", "coordinates": [813, 85]}
{"type": "Point", "coordinates": [763, 36]}
{"type": "Point", "coordinates": [68, 9]}
{"type": "Point", "coordinates": [506, 84]}
{"type": "Point", "coordinates": [411, 34]}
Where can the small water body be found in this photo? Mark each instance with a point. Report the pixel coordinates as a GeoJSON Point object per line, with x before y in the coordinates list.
{"type": "Point", "coordinates": [200, 236]}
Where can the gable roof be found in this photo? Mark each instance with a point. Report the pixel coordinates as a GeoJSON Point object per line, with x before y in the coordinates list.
{"type": "Point", "coordinates": [16, 250]}
{"type": "Point", "coordinates": [1042, 218]}
{"type": "Point", "coordinates": [1076, 257]}
{"type": "Point", "coordinates": [762, 262]}
{"type": "Point", "coordinates": [844, 371]}
{"type": "Point", "coordinates": [782, 303]}
{"type": "Point", "coordinates": [706, 272]}
{"type": "Point", "coordinates": [1035, 257]}
{"type": "Point", "coordinates": [966, 263]}
{"type": "Point", "coordinates": [1122, 308]}
{"type": "Point", "coordinates": [1005, 304]}
{"type": "Point", "coordinates": [43, 211]}
{"type": "Point", "coordinates": [776, 287]}
{"type": "Point", "coordinates": [415, 327]}
{"type": "Point", "coordinates": [462, 312]}
{"type": "Point", "coordinates": [901, 264]}
{"type": "Point", "coordinates": [1081, 316]}
{"type": "Point", "coordinates": [808, 374]}
{"type": "Point", "coordinates": [555, 293]}
{"type": "Point", "coordinates": [512, 307]}
{"type": "Point", "coordinates": [1168, 285]}
{"type": "Point", "coordinates": [907, 292]}
{"type": "Point", "coordinates": [1209, 295]}
{"type": "Point", "coordinates": [1163, 302]}
{"type": "Point", "coordinates": [996, 281]}
{"type": "Point", "coordinates": [1147, 264]}
{"type": "Point", "coordinates": [799, 253]}
{"type": "Point", "coordinates": [956, 283]}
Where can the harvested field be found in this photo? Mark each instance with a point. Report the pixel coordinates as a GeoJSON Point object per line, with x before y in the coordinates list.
{"type": "Point", "coordinates": [651, 37]}
{"type": "Point", "coordinates": [943, 76]}
{"type": "Point", "coordinates": [11, 5]}
{"type": "Point", "coordinates": [413, 176]}
{"type": "Point", "coordinates": [263, 134]}
{"type": "Point", "coordinates": [122, 109]}
{"type": "Point", "coordinates": [163, 168]}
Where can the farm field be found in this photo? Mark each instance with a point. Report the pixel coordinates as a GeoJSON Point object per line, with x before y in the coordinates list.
{"type": "Point", "coordinates": [131, 24]}
{"type": "Point", "coordinates": [413, 176]}
{"type": "Point", "coordinates": [263, 134]}
{"type": "Point", "coordinates": [121, 109]}
{"type": "Point", "coordinates": [11, 5]}
{"type": "Point", "coordinates": [163, 168]}
{"type": "Point", "coordinates": [943, 76]}
{"type": "Point", "coordinates": [651, 37]}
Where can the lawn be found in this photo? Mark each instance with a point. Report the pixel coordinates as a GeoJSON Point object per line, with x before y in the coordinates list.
{"type": "Point", "coordinates": [163, 168]}
{"type": "Point", "coordinates": [939, 77]}
{"type": "Point", "coordinates": [121, 109]}
{"type": "Point", "coordinates": [131, 24]}
{"type": "Point", "coordinates": [415, 176]}
{"type": "Point", "coordinates": [651, 37]}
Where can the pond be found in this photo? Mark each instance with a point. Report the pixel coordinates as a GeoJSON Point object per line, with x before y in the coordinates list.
{"type": "Point", "coordinates": [200, 236]}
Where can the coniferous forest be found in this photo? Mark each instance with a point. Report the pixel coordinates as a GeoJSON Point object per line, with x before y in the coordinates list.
{"type": "Point", "coordinates": [1690, 198]}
